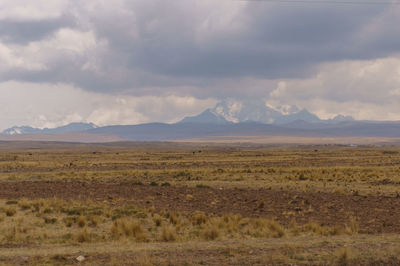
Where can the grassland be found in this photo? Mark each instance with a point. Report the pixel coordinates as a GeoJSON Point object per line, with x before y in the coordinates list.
{"type": "Point", "coordinates": [202, 204]}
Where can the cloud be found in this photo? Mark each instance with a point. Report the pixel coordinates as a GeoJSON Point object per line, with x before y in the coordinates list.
{"type": "Point", "coordinates": [189, 47]}
{"type": "Point", "coordinates": [23, 32]}
{"type": "Point", "coordinates": [22, 10]}
{"type": "Point", "coordinates": [183, 55]}
{"type": "Point", "coordinates": [364, 89]}
{"type": "Point", "coordinates": [51, 105]}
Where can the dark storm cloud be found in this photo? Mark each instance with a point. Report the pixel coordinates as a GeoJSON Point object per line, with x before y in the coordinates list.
{"type": "Point", "coordinates": [152, 46]}
{"type": "Point", "coordinates": [280, 41]}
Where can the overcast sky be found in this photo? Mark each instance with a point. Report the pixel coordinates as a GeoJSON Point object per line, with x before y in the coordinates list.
{"type": "Point", "coordinates": [128, 62]}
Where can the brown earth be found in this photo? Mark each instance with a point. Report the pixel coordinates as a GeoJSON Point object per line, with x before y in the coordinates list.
{"type": "Point", "coordinates": [234, 252]}
{"type": "Point", "coordinates": [374, 214]}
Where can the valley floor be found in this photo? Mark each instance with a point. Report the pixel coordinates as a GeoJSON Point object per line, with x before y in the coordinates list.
{"type": "Point", "coordinates": [199, 204]}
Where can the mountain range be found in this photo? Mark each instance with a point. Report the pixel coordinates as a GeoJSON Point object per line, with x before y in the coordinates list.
{"type": "Point", "coordinates": [230, 111]}
{"type": "Point", "coordinates": [72, 127]}
{"type": "Point", "coordinates": [227, 118]}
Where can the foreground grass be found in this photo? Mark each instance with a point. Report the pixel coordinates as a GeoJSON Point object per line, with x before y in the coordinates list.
{"type": "Point", "coordinates": [56, 232]}
{"type": "Point", "coordinates": [334, 250]}
{"type": "Point", "coordinates": [32, 222]}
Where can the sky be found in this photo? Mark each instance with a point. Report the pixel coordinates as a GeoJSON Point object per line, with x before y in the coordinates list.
{"type": "Point", "coordinates": [137, 61]}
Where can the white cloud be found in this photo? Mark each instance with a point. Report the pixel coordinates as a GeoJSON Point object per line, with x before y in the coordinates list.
{"type": "Point", "coordinates": [65, 44]}
{"type": "Point", "coordinates": [51, 105]}
{"type": "Point", "coordinates": [26, 10]}
{"type": "Point", "coordinates": [138, 61]}
{"type": "Point", "coordinates": [364, 89]}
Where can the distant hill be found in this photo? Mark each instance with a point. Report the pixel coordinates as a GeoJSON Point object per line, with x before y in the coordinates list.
{"type": "Point", "coordinates": [161, 131]}
{"type": "Point", "coordinates": [227, 118]}
{"type": "Point", "coordinates": [190, 130]}
{"type": "Point", "coordinates": [70, 128]}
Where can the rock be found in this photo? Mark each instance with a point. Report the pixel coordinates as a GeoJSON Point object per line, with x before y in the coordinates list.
{"type": "Point", "coordinates": [80, 258]}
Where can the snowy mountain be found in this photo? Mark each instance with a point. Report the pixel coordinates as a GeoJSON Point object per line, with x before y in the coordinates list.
{"type": "Point", "coordinates": [205, 117]}
{"type": "Point", "coordinates": [236, 111]}
{"type": "Point", "coordinates": [73, 127]}
{"type": "Point", "coordinates": [21, 130]}
{"type": "Point", "coordinates": [256, 111]}
{"type": "Point", "coordinates": [342, 118]}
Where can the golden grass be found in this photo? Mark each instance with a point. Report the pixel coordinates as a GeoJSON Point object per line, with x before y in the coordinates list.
{"type": "Point", "coordinates": [119, 228]}
{"type": "Point", "coordinates": [56, 221]}
{"type": "Point", "coordinates": [363, 171]}
{"type": "Point", "coordinates": [338, 250]}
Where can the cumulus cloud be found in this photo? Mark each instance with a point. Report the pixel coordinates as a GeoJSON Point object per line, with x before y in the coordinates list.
{"type": "Point", "coordinates": [288, 53]}
{"type": "Point", "coordinates": [364, 89]}
{"type": "Point", "coordinates": [157, 46]}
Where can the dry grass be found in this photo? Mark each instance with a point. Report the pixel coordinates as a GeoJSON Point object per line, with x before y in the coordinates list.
{"type": "Point", "coordinates": [129, 229]}
{"type": "Point", "coordinates": [364, 171]}
{"type": "Point", "coordinates": [56, 221]}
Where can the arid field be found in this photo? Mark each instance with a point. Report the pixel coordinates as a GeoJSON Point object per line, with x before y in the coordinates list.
{"type": "Point", "coordinates": [199, 204]}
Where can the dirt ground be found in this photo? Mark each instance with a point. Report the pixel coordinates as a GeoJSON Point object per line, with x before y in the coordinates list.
{"type": "Point", "coordinates": [338, 186]}
{"type": "Point", "coordinates": [374, 214]}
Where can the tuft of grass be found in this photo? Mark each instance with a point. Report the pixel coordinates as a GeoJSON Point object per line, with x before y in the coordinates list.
{"type": "Point", "coordinates": [276, 229]}
{"type": "Point", "coordinates": [48, 220]}
{"type": "Point", "coordinates": [81, 221]}
{"type": "Point", "coordinates": [198, 218]}
{"type": "Point", "coordinates": [174, 219]}
{"type": "Point", "coordinates": [344, 256]}
{"type": "Point", "coordinates": [157, 220]}
{"type": "Point", "coordinates": [168, 234]}
{"type": "Point", "coordinates": [352, 226]}
{"type": "Point", "coordinates": [10, 211]}
{"type": "Point", "coordinates": [24, 205]}
{"type": "Point", "coordinates": [129, 229]}
{"type": "Point", "coordinates": [322, 230]}
{"type": "Point", "coordinates": [211, 232]}
{"type": "Point", "coordinates": [83, 236]}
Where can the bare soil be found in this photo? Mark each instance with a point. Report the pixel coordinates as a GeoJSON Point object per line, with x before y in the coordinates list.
{"type": "Point", "coordinates": [374, 214]}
